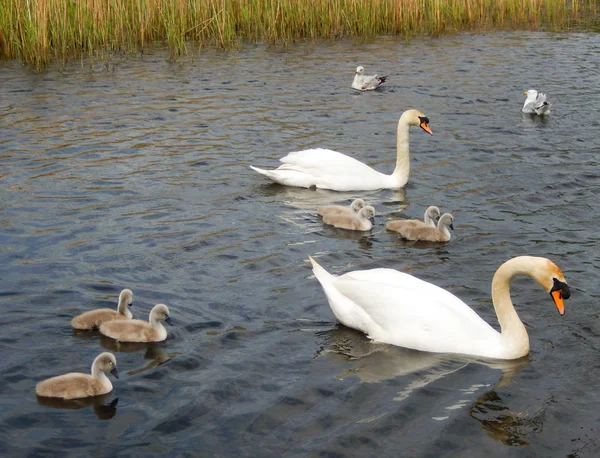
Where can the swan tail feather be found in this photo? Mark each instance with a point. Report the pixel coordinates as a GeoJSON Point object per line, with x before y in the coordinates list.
{"type": "Point", "coordinates": [319, 271]}
{"type": "Point", "coordinates": [261, 171]}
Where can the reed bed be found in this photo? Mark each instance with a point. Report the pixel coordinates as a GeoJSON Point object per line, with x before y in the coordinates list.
{"type": "Point", "coordinates": [38, 31]}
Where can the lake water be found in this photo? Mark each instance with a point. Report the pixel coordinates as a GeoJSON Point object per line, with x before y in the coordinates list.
{"type": "Point", "coordinates": [133, 173]}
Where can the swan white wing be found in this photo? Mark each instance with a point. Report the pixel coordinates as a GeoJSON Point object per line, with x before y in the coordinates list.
{"type": "Point", "coordinates": [413, 313]}
{"type": "Point", "coordinates": [332, 170]}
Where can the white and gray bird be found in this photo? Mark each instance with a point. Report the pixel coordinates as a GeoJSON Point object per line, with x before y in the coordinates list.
{"type": "Point", "coordinates": [364, 82]}
{"type": "Point", "coordinates": [535, 103]}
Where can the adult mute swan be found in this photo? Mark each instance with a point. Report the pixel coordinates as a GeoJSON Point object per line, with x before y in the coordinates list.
{"type": "Point", "coordinates": [75, 385]}
{"type": "Point", "coordinates": [327, 169]}
{"type": "Point", "coordinates": [396, 308]}
{"type": "Point", "coordinates": [94, 318]}
{"type": "Point", "coordinates": [364, 82]}
{"type": "Point", "coordinates": [535, 103]}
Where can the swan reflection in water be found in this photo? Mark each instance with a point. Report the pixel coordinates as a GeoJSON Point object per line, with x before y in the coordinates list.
{"type": "Point", "coordinates": [154, 352]}
{"type": "Point", "coordinates": [102, 405]}
{"type": "Point", "coordinates": [373, 363]}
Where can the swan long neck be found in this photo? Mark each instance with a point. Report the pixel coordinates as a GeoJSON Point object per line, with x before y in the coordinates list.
{"type": "Point", "coordinates": [156, 323]}
{"type": "Point", "coordinates": [99, 375]}
{"type": "Point", "coordinates": [402, 169]}
{"type": "Point", "coordinates": [123, 309]}
{"type": "Point", "coordinates": [511, 327]}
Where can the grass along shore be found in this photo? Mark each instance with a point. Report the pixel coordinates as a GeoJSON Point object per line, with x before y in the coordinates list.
{"type": "Point", "coordinates": [39, 31]}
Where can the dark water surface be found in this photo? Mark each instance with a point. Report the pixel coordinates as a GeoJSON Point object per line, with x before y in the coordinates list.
{"type": "Point", "coordinates": [134, 174]}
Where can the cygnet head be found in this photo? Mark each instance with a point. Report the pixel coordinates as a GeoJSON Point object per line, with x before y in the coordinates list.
{"type": "Point", "coordinates": [126, 297]}
{"type": "Point", "coordinates": [433, 213]}
{"type": "Point", "coordinates": [446, 220]}
{"type": "Point", "coordinates": [357, 205]}
{"type": "Point", "coordinates": [106, 362]}
{"type": "Point", "coordinates": [416, 118]}
{"type": "Point", "coordinates": [360, 70]}
{"type": "Point", "coordinates": [368, 212]}
{"type": "Point", "coordinates": [160, 312]}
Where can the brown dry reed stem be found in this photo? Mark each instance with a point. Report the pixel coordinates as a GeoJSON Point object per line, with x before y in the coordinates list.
{"type": "Point", "coordinates": [38, 31]}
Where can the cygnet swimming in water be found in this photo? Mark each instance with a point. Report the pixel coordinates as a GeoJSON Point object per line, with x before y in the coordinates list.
{"type": "Point", "coordinates": [353, 209]}
{"type": "Point", "coordinates": [94, 318]}
{"type": "Point", "coordinates": [430, 218]}
{"type": "Point", "coordinates": [362, 221]}
{"type": "Point", "coordinates": [139, 330]}
{"type": "Point", "coordinates": [431, 234]}
{"type": "Point", "coordinates": [76, 385]}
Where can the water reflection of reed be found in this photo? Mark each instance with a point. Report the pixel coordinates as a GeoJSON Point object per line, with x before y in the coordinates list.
{"type": "Point", "coordinates": [102, 409]}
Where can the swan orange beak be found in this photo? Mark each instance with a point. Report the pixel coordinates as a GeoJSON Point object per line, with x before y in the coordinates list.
{"type": "Point", "coordinates": [559, 292]}
{"type": "Point", "coordinates": [558, 301]}
{"type": "Point", "coordinates": [426, 128]}
{"type": "Point", "coordinates": [524, 93]}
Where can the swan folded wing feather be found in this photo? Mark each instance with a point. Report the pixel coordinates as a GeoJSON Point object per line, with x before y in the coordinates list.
{"type": "Point", "coordinates": [420, 314]}
{"type": "Point", "coordinates": [328, 169]}
{"type": "Point", "coordinates": [94, 318]}
{"type": "Point", "coordinates": [130, 331]}
{"type": "Point", "coordinates": [74, 385]}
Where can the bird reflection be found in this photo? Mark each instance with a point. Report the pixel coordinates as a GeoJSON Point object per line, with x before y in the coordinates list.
{"type": "Point", "coordinates": [154, 352]}
{"type": "Point", "coordinates": [104, 410]}
{"type": "Point", "coordinates": [377, 362]}
{"type": "Point", "coordinates": [312, 199]}
{"type": "Point", "coordinates": [503, 425]}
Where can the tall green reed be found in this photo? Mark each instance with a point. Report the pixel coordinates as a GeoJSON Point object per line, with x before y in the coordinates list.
{"type": "Point", "coordinates": [38, 31]}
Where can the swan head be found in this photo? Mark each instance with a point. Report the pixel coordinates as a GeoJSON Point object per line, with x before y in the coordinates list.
{"type": "Point", "coordinates": [416, 118]}
{"type": "Point", "coordinates": [357, 205]}
{"type": "Point", "coordinates": [126, 297]}
{"type": "Point", "coordinates": [553, 280]}
{"type": "Point", "coordinates": [446, 220]}
{"type": "Point", "coordinates": [368, 212]}
{"type": "Point", "coordinates": [531, 93]}
{"type": "Point", "coordinates": [107, 363]}
{"type": "Point", "coordinates": [433, 213]}
{"type": "Point", "coordinates": [160, 312]}
{"type": "Point", "coordinates": [360, 70]}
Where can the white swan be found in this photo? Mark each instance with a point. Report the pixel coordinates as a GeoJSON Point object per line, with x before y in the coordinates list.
{"type": "Point", "coordinates": [396, 308]}
{"type": "Point", "coordinates": [139, 330]}
{"type": "Point", "coordinates": [362, 221]}
{"type": "Point", "coordinates": [432, 214]}
{"type": "Point", "coordinates": [535, 103]}
{"type": "Point", "coordinates": [364, 82]}
{"type": "Point", "coordinates": [75, 385]}
{"type": "Point", "coordinates": [94, 318]}
{"type": "Point", "coordinates": [354, 208]}
{"type": "Point", "coordinates": [327, 169]}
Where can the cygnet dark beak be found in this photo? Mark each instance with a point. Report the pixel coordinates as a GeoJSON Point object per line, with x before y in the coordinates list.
{"type": "Point", "coordinates": [115, 372]}
{"type": "Point", "coordinates": [451, 226]}
{"type": "Point", "coordinates": [130, 304]}
{"type": "Point", "coordinates": [168, 321]}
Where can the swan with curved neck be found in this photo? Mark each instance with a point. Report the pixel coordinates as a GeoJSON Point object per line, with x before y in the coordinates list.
{"type": "Point", "coordinates": [75, 385]}
{"type": "Point", "coordinates": [430, 218]}
{"type": "Point", "coordinates": [326, 169]}
{"type": "Point", "coordinates": [94, 318]}
{"type": "Point", "coordinates": [396, 308]}
{"type": "Point", "coordinates": [138, 330]}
